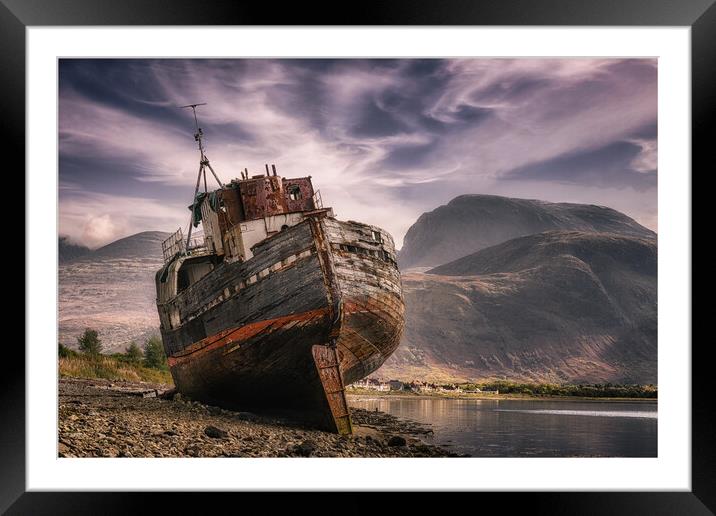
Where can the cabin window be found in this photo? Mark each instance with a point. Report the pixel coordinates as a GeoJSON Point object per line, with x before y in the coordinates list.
{"type": "Point", "coordinates": [294, 192]}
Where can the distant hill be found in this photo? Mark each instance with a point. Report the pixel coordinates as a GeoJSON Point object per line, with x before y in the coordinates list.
{"type": "Point", "coordinates": [133, 246]}
{"type": "Point", "coordinates": [112, 290]}
{"type": "Point", "coordinates": [147, 243]}
{"type": "Point", "coordinates": [68, 251]}
{"type": "Point", "coordinates": [561, 306]}
{"type": "Point", "coordinates": [469, 223]}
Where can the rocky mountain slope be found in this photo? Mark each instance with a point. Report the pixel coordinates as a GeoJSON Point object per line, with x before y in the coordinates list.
{"type": "Point", "coordinates": [576, 303]}
{"type": "Point", "coordinates": [469, 223]}
{"type": "Point", "coordinates": [140, 245]}
{"type": "Point", "coordinates": [561, 306]}
{"type": "Point", "coordinates": [111, 290]}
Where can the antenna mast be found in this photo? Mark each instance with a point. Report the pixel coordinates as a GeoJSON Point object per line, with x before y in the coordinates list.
{"type": "Point", "coordinates": [203, 164]}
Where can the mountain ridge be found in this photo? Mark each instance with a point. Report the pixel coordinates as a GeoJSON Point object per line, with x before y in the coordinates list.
{"type": "Point", "coordinates": [472, 222]}
{"type": "Point", "coordinates": [558, 306]}
{"type": "Point", "coordinates": [563, 305]}
{"type": "Point", "coordinates": [111, 290]}
{"type": "Point", "coordinates": [134, 245]}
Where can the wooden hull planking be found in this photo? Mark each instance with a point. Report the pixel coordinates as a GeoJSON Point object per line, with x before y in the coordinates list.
{"type": "Point", "coordinates": [319, 305]}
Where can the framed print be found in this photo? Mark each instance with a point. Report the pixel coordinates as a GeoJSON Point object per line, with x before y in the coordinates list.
{"type": "Point", "coordinates": [444, 250]}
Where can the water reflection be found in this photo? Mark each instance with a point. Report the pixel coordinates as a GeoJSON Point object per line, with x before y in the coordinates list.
{"type": "Point", "coordinates": [518, 428]}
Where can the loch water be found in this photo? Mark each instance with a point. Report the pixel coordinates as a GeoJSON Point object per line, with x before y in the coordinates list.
{"type": "Point", "coordinates": [529, 428]}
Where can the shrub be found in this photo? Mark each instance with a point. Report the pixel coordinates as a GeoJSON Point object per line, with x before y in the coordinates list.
{"type": "Point", "coordinates": [606, 390]}
{"type": "Point", "coordinates": [154, 354]}
{"type": "Point", "coordinates": [65, 352]}
{"type": "Point", "coordinates": [89, 342]}
{"type": "Point", "coordinates": [134, 354]}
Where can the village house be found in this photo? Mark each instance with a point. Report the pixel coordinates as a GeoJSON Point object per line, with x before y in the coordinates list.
{"type": "Point", "coordinates": [419, 386]}
{"type": "Point", "coordinates": [429, 387]}
{"type": "Point", "coordinates": [371, 384]}
{"type": "Point", "coordinates": [361, 384]}
{"type": "Point", "coordinates": [412, 386]}
{"type": "Point", "coordinates": [452, 389]}
{"type": "Point", "coordinates": [395, 385]}
{"type": "Point", "coordinates": [378, 385]}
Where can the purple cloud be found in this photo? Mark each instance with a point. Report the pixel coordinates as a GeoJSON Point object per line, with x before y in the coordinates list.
{"type": "Point", "coordinates": [384, 139]}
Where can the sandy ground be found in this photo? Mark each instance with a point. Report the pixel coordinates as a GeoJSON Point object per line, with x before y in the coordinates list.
{"type": "Point", "coordinates": [98, 418]}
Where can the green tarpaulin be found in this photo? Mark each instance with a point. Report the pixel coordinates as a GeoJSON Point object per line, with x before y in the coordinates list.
{"type": "Point", "coordinates": [196, 207]}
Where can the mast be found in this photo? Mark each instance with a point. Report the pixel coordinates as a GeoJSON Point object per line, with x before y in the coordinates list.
{"type": "Point", "coordinates": [203, 164]}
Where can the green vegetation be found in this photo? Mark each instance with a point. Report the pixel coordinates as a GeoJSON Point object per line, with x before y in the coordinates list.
{"type": "Point", "coordinates": [89, 342]}
{"type": "Point", "coordinates": [154, 354]}
{"type": "Point", "coordinates": [133, 365]}
{"type": "Point", "coordinates": [109, 368]}
{"type": "Point", "coordinates": [65, 352]}
{"type": "Point", "coordinates": [509, 389]}
{"type": "Point", "coordinates": [134, 354]}
{"type": "Point", "coordinates": [595, 390]}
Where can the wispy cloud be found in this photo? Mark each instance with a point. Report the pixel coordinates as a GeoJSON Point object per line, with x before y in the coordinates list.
{"type": "Point", "coordinates": [618, 164]}
{"type": "Point", "coordinates": [384, 140]}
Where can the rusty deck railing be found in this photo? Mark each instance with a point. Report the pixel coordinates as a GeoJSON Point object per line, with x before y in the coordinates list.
{"type": "Point", "coordinates": [317, 200]}
{"type": "Point", "coordinates": [173, 245]}
{"type": "Point", "coordinates": [176, 244]}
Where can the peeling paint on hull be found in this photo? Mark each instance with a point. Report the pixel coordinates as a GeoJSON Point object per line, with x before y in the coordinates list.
{"type": "Point", "coordinates": [319, 305]}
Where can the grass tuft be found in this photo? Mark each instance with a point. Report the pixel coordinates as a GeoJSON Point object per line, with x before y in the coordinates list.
{"type": "Point", "coordinates": [110, 368]}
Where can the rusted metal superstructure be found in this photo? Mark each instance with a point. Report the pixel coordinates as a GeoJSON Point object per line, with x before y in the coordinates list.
{"type": "Point", "coordinates": [279, 304]}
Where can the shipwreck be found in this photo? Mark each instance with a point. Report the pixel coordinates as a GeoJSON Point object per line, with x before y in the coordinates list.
{"type": "Point", "coordinates": [278, 304]}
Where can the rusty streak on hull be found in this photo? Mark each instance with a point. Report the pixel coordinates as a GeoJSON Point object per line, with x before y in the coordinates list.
{"type": "Point", "coordinates": [319, 305]}
{"type": "Point", "coordinates": [237, 336]}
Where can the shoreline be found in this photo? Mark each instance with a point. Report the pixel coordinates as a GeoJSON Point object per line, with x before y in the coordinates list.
{"type": "Point", "coordinates": [103, 418]}
{"type": "Point", "coordinates": [495, 397]}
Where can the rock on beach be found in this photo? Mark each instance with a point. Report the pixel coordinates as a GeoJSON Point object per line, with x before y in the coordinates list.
{"type": "Point", "coordinates": [98, 418]}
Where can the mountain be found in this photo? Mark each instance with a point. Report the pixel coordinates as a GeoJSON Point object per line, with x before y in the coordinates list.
{"type": "Point", "coordinates": [67, 251]}
{"type": "Point", "coordinates": [566, 305]}
{"type": "Point", "coordinates": [561, 306]}
{"type": "Point", "coordinates": [469, 223]}
{"type": "Point", "coordinates": [135, 246]}
{"type": "Point", "coordinates": [112, 291]}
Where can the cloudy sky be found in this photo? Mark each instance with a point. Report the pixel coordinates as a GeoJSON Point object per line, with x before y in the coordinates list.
{"type": "Point", "coordinates": [385, 140]}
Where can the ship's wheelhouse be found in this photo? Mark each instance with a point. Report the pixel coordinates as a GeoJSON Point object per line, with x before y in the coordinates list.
{"type": "Point", "coordinates": [248, 210]}
{"type": "Point", "coordinates": [234, 218]}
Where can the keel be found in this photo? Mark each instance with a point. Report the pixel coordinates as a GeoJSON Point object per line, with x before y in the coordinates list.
{"type": "Point", "coordinates": [338, 417]}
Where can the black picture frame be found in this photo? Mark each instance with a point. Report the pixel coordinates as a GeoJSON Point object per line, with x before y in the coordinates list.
{"type": "Point", "coordinates": [16, 15]}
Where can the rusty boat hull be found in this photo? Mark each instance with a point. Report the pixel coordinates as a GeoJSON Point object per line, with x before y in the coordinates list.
{"type": "Point", "coordinates": [318, 306]}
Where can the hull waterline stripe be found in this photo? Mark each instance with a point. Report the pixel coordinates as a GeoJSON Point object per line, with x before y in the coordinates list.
{"type": "Point", "coordinates": [238, 334]}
